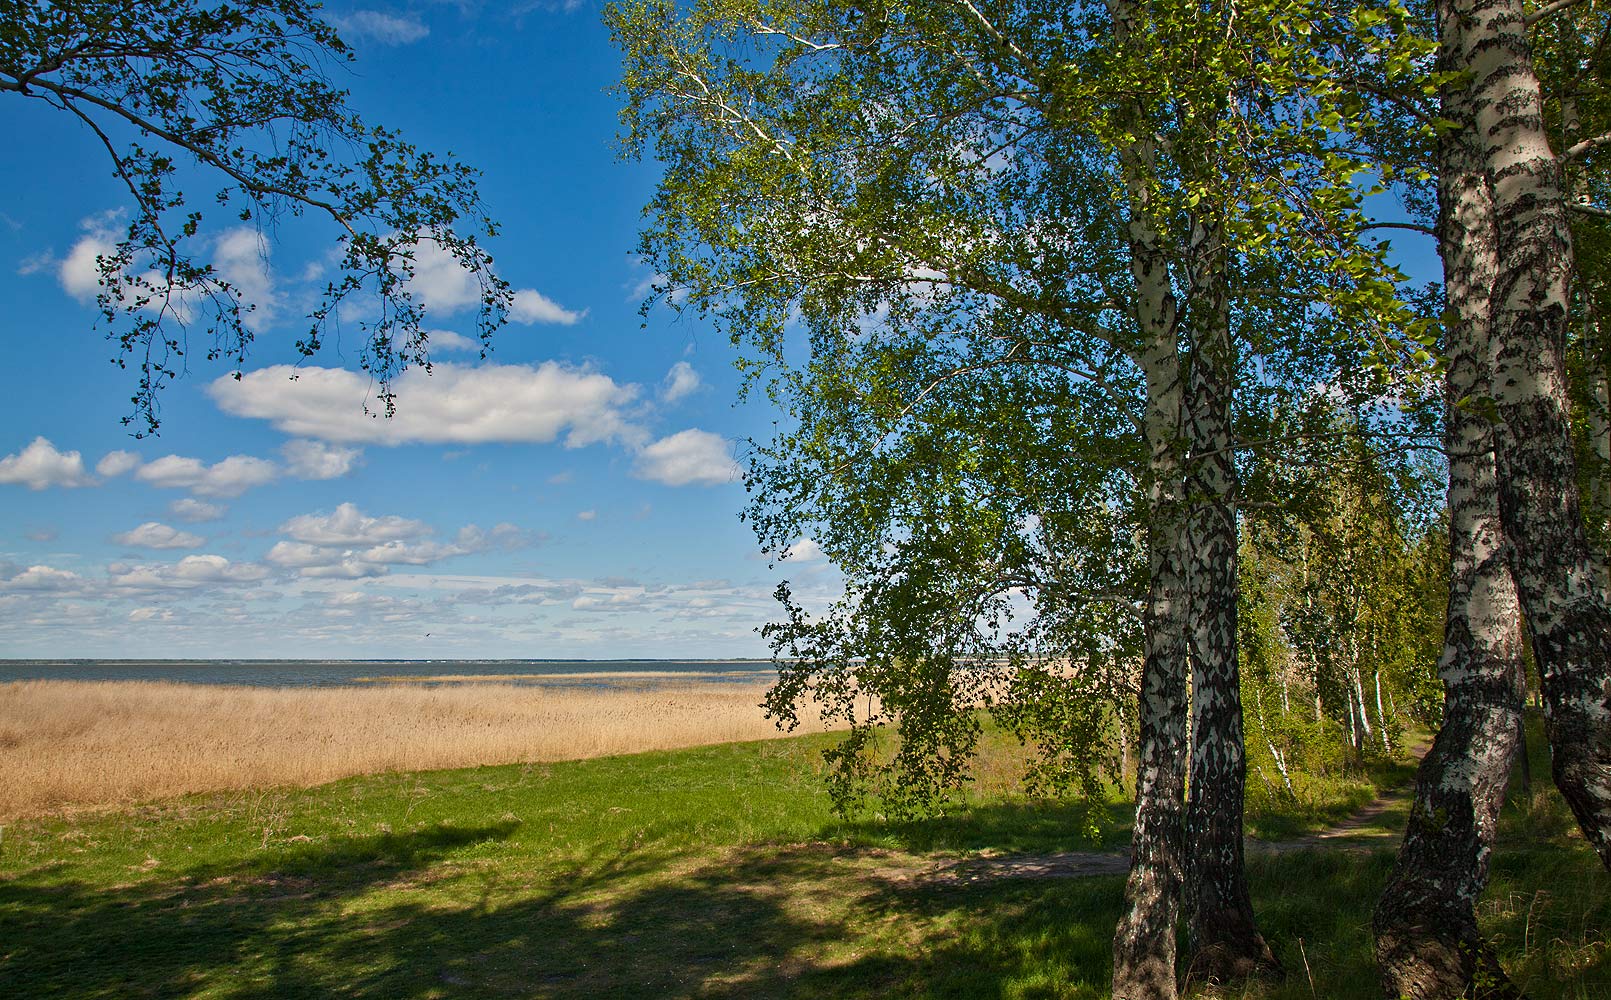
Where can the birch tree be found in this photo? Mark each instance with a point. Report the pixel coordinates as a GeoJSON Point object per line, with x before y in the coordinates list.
{"type": "Point", "coordinates": [895, 207]}
{"type": "Point", "coordinates": [1567, 611]}
{"type": "Point", "coordinates": [1427, 941]}
{"type": "Point", "coordinates": [1516, 534]}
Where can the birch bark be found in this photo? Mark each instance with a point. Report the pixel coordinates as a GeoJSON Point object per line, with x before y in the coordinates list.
{"type": "Point", "coordinates": [1144, 941]}
{"type": "Point", "coordinates": [1427, 942]}
{"type": "Point", "coordinates": [1555, 572]}
{"type": "Point", "coordinates": [1225, 942]}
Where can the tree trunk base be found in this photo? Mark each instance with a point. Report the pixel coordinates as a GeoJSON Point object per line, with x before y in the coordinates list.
{"type": "Point", "coordinates": [1439, 962]}
{"type": "Point", "coordinates": [1144, 942]}
{"type": "Point", "coordinates": [1580, 751]}
{"type": "Point", "coordinates": [1235, 953]}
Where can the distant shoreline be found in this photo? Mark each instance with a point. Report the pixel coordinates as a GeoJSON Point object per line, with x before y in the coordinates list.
{"type": "Point", "coordinates": [299, 673]}
{"type": "Point", "coordinates": [34, 661]}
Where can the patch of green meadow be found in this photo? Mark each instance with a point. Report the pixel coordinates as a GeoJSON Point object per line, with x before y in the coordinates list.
{"type": "Point", "coordinates": [711, 872]}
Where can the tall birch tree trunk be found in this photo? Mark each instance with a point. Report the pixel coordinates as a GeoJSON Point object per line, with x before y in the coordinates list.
{"type": "Point", "coordinates": [1555, 572]}
{"type": "Point", "coordinates": [1225, 942]}
{"type": "Point", "coordinates": [1427, 942]}
{"type": "Point", "coordinates": [1144, 941]}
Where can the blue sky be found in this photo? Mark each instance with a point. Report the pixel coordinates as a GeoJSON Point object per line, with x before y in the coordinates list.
{"type": "Point", "coordinates": [574, 495]}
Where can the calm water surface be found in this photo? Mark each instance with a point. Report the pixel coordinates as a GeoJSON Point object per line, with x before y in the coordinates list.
{"type": "Point", "coordinates": [343, 673]}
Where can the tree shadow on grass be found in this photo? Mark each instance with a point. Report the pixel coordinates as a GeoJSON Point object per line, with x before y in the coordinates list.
{"type": "Point", "coordinates": [393, 916]}
{"type": "Point", "coordinates": [154, 936]}
{"type": "Point", "coordinates": [1037, 827]}
{"type": "Point", "coordinates": [765, 921]}
{"type": "Point", "coordinates": [429, 914]}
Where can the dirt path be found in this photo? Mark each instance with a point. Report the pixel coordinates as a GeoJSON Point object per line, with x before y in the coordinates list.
{"type": "Point", "coordinates": [1375, 826]}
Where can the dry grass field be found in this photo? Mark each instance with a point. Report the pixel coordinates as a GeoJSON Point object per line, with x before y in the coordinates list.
{"type": "Point", "coordinates": [71, 744]}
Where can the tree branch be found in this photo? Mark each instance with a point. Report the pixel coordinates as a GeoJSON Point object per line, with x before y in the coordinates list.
{"type": "Point", "coordinates": [1586, 146]}
{"type": "Point", "coordinates": [202, 153]}
{"type": "Point", "coordinates": [1413, 227]}
{"type": "Point", "coordinates": [1549, 10]}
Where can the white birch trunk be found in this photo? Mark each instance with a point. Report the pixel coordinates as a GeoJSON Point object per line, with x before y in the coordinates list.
{"type": "Point", "coordinates": [1427, 942]}
{"type": "Point", "coordinates": [1556, 574]}
{"type": "Point", "coordinates": [1226, 945]}
{"type": "Point", "coordinates": [1144, 941]}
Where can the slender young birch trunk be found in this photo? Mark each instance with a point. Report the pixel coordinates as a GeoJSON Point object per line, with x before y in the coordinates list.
{"type": "Point", "coordinates": [1599, 503]}
{"type": "Point", "coordinates": [1427, 942]}
{"type": "Point", "coordinates": [1381, 716]}
{"type": "Point", "coordinates": [1226, 945]}
{"type": "Point", "coordinates": [1144, 941]}
{"type": "Point", "coordinates": [1555, 572]}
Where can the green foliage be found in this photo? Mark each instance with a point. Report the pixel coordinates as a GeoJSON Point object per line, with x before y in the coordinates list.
{"type": "Point", "coordinates": [1343, 594]}
{"type": "Point", "coordinates": [914, 221]}
{"type": "Point", "coordinates": [236, 96]}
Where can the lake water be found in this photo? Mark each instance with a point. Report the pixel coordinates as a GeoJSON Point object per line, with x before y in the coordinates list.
{"type": "Point", "coordinates": [367, 673]}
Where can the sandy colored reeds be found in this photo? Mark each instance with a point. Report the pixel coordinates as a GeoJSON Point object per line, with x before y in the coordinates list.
{"type": "Point", "coordinates": [66, 744]}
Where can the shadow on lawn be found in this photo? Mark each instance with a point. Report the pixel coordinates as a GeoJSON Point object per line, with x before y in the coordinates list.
{"type": "Point", "coordinates": [430, 914]}
{"type": "Point", "coordinates": [761, 921]}
{"type": "Point", "coordinates": [156, 937]}
{"type": "Point", "coordinates": [1034, 828]}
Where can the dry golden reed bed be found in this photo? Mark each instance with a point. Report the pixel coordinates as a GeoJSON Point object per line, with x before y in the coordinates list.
{"type": "Point", "coordinates": [69, 744]}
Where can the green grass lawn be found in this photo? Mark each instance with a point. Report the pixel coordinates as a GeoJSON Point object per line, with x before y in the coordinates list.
{"type": "Point", "coordinates": [713, 872]}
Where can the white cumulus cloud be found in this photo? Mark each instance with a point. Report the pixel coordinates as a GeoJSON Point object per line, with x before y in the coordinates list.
{"type": "Point", "coordinates": [116, 463]}
{"type": "Point", "coordinates": [349, 526]}
{"type": "Point", "coordinates": [43, 578]}
{"type": "Point", "coordinates": [155, 535]}
{"type": "Point", "coordinates": [80, 271]}
{"type": "Point", "coordinates": [40, 465]}
{"type": "Point", "coordinates": [680, 381]}
{"type": "Point", "coordinates": [186, 574]}
{"type": "Point", "coordinates": [320, 561]}
{"type": "Point", "coordinates": [228, 478]}
{"type": "Point", "coordinates": [447, 340]}
{"type": "Point", "coordinates": [532, 306]}
{"type": "Point", "coordinates": [348, 544]}
{"type": "Point", "coordinates": [690, 457]}
{"type": "Point", "coordinates": [411, 553]}
{"type": "Point", "coordinates": [440, 281]}
{"type": "Point", "coordinates": [804, 550]}
{"type": "Point", "coordinates": [445, 288]}
{"type": "Point", "coordinates": [456, 404]}
{"type": "Point", "coordinates": [317, 460]}
{"type": "Point", "coordinates": [241, 256]}
{"type": "Point", "coordinates": [195, 511]}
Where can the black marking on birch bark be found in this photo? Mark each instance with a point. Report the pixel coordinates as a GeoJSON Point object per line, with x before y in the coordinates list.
{"type": "Point", "coordinates": [1226, 945]}
{"type": "Point", "coordinates": [1428, 946]}
{"type": "Point", "coordinates": [1553, 567]}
